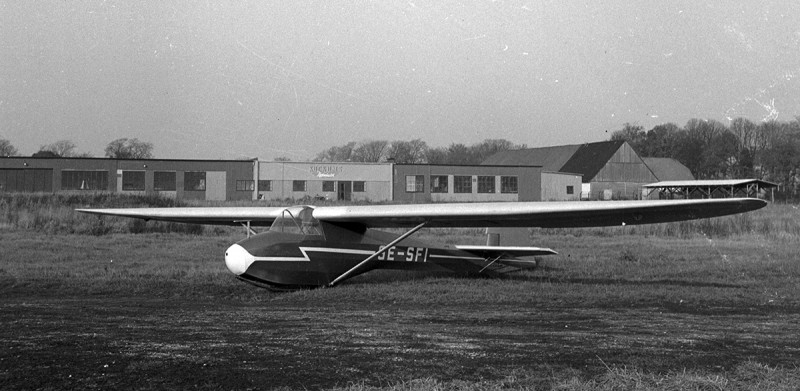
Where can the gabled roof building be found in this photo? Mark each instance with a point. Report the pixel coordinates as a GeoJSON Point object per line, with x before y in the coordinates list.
{"type": "Point", "coordinates": [610, 169]}
{"type": "Point", "coordinates": [668, 169]}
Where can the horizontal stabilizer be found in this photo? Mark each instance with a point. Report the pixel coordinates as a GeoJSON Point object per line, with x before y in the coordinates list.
{"type": "Point", "coordinates": [506, 251]}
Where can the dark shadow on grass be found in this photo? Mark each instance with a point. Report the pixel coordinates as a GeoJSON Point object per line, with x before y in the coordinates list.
{"type": "Point", "coordinates": [623, 282]}
{"type": "Point", "coordinates": [387, 276]}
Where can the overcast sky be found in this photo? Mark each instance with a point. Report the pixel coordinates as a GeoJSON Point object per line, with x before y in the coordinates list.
{"type": "Point", "coordinates": [232, 79]}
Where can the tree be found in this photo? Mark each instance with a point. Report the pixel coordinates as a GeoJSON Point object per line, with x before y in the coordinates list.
{"type": "Point", "coordinates": [459, 154]}
{"type": "Point", "coordinates": [721, 156]}
{"type": "Point", "coordinates": [746, 133]}
{"type": "Point", "coordinates": [436, 155]}
{"type": "Point", "coordinates": [60, 148]}
{"type": "Point", "coordinates": [370, 151]}
{"type": "Point", "coordinates": [482, 150]}
{"type": "Point", "coordinates": [343, 153]}
{"type": "Point", "coordinates": [660, 141]}
{"type": "Point", "coordinates": [44, 154]}
{"type": "Point", "coordinates": [408, 151]}
{"type": "Point", "coordinates": [6, 148]}
{"type": "Point", "coordinates": [124, 148]}
{"type": "Point", "coordinates": [633, 134]}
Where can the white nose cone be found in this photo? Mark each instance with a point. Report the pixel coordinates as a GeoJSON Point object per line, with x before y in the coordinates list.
{"type": "Point", "coordinates": [238, 259]}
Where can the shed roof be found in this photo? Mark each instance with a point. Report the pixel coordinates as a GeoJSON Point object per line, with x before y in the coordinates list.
{"type": "Point", "coordinates": [668, 169]}
{"type": "Point", "coordinates": [711, 183]}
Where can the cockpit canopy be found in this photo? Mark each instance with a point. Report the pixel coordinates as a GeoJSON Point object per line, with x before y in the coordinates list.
{"type": "Point", "coordinates": [297, 220]}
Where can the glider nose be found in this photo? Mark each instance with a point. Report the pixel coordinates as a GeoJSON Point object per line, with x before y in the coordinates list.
{"type": "Point", "coordinates": [237, 259]}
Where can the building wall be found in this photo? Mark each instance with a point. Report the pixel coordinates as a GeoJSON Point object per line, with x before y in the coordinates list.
{"type": "Point", "coordinates": [561, 186]}
{"type": "Point", "coordinates": [230, 179]}
{"type": "Point", "coordinates": [327, 180]}
{"type": "Point", "coordinates": [623, 176]}
{"type": "Point", "coordinates": [528, 179]}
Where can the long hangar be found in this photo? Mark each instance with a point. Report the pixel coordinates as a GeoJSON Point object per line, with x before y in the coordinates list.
{"type": "Point", "coordinates": [253, 179]}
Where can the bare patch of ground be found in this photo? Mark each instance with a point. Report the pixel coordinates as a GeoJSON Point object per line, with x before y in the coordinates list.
{"type": "Point", "coordinates": [94, 342]}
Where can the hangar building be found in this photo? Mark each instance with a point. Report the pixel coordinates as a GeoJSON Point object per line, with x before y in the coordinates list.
{"type": "Point", "coordinates": [182, 179]}
{"type": "Point", "coordinates": [331, 181]}
{"type": "Point", "coordinates": [610, 169]}
{"type": "Point", "coordinates": [481, 183]}
{"type": "Point", "coordinates": [378, 182]}
{"type": "Point", "coordinates": [251, 179]}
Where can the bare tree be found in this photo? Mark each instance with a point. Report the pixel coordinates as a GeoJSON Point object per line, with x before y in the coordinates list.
{"type": "Point", "coordinates": [124, 148]}
{"type": "Point", "coordinates": [60, 148]}
{"type": "Point", "coordinates": [6, 148]}
{"type": "Point", "coordinates": [436, 155]}
{"type": "Point", "coordinates": [408, 151]}
{"type": "Point", "coordinates": [632, 133]}
{"type": "Point", "coordinates": [482, 150]}
{"type": "Point", "coordinates": [342, 153]}
{"type": "Point", "coordinates": [370, 151]}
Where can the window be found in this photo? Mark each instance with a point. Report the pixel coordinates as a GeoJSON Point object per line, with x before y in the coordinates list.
{"type": "Point", "coordinates": [439, 184]}
{"type": "Point", "coordinates": [415, 183]}
{"type": "Point", "coordinates": [509, 184]}
{"type": "Point", "coordinates": [462, 184]}
{"type": "Point", "coordinates": [298, 185]}
{"type": "Point", "coordinates": [84, 180]}
{"type": "Point", "coordinates": [164, 181]}
{"type": "Point", "coordinates": [132, 180]}
{"type": "Point", "coordinates": [485, 184]}
{"type": "Point", "coordinates": [245, 185]}
{"type": "Point", "coordinates": [194, 181]}
{"type": "Point", "coordinates": [570, 190]}
{"type": "Point", "coordinates": [328, 186]}
{"type": "Point", "coordinates": [358, 186]}
{"type": "Point", "coordinates": [264, 185]}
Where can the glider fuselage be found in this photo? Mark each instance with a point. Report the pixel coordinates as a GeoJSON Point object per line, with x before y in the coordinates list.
{"type": "Point", "coordinates": [280, 260]}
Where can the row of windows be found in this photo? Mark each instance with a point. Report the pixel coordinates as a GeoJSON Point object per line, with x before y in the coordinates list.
{"type": "Point", "coordinates": [163, 181]}
{"type": "Point", "coordinates": [135, 181]}
{"type": "Point", "coordinates": [84, 180]}
{"type": "Point", "coordinates": [462, 184]}
{"type": "Point", "coordinates": [327, 186]}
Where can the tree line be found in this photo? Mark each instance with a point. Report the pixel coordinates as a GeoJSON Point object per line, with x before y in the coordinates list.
{"type": "Point", "coordinates": [711, 150]}
{"type": "Point", "coordinates": [414, 152]}
{"type": "Point", "coordinates": [122, 148]}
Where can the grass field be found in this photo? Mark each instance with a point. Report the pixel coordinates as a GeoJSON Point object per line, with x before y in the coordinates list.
{"type": "Point", "coordinates": [701, 305]}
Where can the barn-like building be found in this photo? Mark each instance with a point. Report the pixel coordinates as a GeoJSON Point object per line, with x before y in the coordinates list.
{"type": "Point", "coordinates": [610, 169]}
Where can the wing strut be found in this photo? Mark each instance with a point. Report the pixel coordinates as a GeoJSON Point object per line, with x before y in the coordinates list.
{"type": "Point", "coordinates": [490, 263]}
{"type": "Point", "coordinates": [377, 253]}
{"type": "Point", "coordinates": [246, 225]}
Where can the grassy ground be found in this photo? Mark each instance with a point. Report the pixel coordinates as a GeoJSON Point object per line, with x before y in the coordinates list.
{"type": "Point", "coordinates": [712, 305]}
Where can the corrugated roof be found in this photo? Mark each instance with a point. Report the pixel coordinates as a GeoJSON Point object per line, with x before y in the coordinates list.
{"type": "Point", "coordinates": [711, 183]}
{"type": "Point", "coordinates": [668, 169]}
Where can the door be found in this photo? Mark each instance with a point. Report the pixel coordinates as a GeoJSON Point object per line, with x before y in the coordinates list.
{"type": "Point", "coordinates": [216, 188]}
{"type": "Point", "coordinates": [345, 190]}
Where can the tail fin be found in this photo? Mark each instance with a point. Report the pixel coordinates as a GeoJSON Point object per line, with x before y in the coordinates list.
{"type": "Point", "coordinates": [508, 236]}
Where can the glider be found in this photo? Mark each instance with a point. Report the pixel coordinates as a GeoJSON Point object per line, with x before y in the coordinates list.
{"type": "Point", "coordinates": [307, 246]}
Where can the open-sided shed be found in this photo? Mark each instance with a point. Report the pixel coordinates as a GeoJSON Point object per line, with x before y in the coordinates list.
{"type": "Point", "coordinates": [714, 188]}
